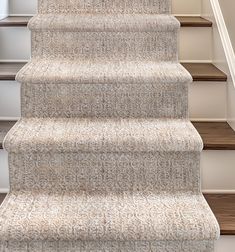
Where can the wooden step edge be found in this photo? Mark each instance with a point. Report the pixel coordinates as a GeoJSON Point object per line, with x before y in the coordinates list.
{"type": "Point", "coordinates": [199, 71]}
{"type": "Point", "coordinates": [205, 72]}
{"type": "Point", "coordinates": [15, 21]}
{"type": "Point", "coordinates": [215, 135]}
{"type": "Point", "coordinates": [191, 21]}
{"type": "Point", "coordinates": [185, 21]}
{"type": "Point", "coordinates": [222, 205]}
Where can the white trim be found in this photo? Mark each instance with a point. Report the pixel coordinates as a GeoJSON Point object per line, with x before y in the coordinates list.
{"type": "Point", "coordinates": [208, 119]}
{"type": "Point", "coordinates": [14, 61]}
{"type": "Point", "coordinates": [225, 39]}
{"type": "Point", "coordinates": [218, 191]}
{"type": "Point", "coordinates": [4, 190]}
{"type": "Point", "coordinates": [9, 118]}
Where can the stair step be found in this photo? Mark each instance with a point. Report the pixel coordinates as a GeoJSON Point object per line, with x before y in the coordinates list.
{"type": "Point", "coordinates": [5, 126]}
{"type": "Point", "coordinates": [186, 21]}
{"type": "Point", "coordinates": [222, 205]}
{"type": "Point", "coordinates": [15, 21]}
{"type": "Point", "coordinates": [205, 72]}
{"type": "Point", "coordinates": [215, 135]}
{"type": "Point", "coordinates": [8, 70]}
{"type": "Point", "coordinates": [199, 71]}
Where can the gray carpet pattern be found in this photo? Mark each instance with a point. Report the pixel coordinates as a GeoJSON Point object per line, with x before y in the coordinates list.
{"type": "Point", "coordinates": [104, 158]}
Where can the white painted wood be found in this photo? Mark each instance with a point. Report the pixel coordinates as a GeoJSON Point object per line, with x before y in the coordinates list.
{"type": "Point", "coordinates": [23, 7]}
{"type": "Point", "coordinates": [195, 44]}
{"type": "Point", "coordinates": [219, 57]}
{"type": "Point", "coordinates": [186, 7]}
{"type": "Point", "coordinates": [4, 9]}
{"type": "Point", "coordinates": [207, 101]}
{"type": "Point", "coordinates": [226, 243]}
{"type": "Point", "coordinates": [9, 99]}
{"type": "Point", "coordinates": [217, 169]}
{"type": "Point", "coordinates": [4, 174]}
{"type": "Point", "coordinates": [15, 43]}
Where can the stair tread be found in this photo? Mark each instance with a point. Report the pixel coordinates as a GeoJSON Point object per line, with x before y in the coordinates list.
{"type": "Point", "coordinates": [205, 72]}
{"type": "Point", "coordinates": [199, 71]}
{"type": "Point", "coordinates": [222, 205]}
{"type": "Point", "coordinates": [8, 70]}
{"type": "Point", "coordinates": [186, 21]}
{"type": "Point", "coordinates": [191, 21]}
{"type": "Point", "coordinates": [215, 135]}
{"type": "Point", "coordinates": [15, 21]}
{"type": "Point", "coordinates": [154, 213]}
{"type": "Point", "coordinates": [5, 126]}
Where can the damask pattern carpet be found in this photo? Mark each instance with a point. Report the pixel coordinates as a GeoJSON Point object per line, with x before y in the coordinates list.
{"type": "Point", "coordinates": [104, 158]}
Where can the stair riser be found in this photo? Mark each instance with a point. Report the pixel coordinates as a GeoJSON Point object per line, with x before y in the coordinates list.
{"type": "Point", "coordinates": [105, 46]}
{"type": "Point", "coordinates": [192, 7]}
{"type": "Point", "coordinates": [105, 6]}
{"type": "Point", "coordinates": [203, 103]}
{"type": "Point", "coordinates": [195, 44]}
{"type": "Point", "coordinates": [109, 172]}
{"type": "Point", "coordinates": [208, 100]}
{"type": "Point", "coordinates": [104, 100]}
{"type": "Point", "coordinates": [217, 171]}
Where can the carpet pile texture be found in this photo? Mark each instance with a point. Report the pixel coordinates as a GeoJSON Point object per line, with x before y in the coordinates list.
{"type": "Point", "coordinates": [104, 158]}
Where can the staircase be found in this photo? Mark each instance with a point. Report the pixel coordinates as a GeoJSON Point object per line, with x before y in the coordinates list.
{"type": "Point", "coordinates": [209, 84]}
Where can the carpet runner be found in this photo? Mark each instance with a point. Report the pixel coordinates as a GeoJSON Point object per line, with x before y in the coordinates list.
{"type": "Point", "coordinates": [104, 157]}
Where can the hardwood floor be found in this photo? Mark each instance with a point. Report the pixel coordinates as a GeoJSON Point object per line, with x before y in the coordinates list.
{"type": "Point", "coordinates": [5, 126]}
{"type": "Point", "coordinates": [14, 21]}
{"type": "Point", "coordinates": [186, 21]}
{"type": "Point", "coordinates": [222, 205]}
{"type": "Point", "coordinates": [8, 70]}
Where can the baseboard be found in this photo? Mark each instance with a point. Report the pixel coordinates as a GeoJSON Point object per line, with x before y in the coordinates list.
{"type": "Point", "coordinates": [4, 190]}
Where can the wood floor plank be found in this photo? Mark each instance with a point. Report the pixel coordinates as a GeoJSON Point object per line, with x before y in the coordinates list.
{"type": "Point", "coordinates": [5, 126]}
{"type": "Point", "coordinates": [205, 72]}
{"type": "Point", "coordinates": [216, 135]}
{"type": "Point", "coordinates": [15, 21]}
{"type": "Point", "coordinates": [8, 70]}
{"type": "Point", "coordinates": [191, 21]}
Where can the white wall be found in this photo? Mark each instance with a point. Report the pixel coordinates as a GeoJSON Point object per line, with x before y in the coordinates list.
{"type": "Point", "coordinates": [4, 8]}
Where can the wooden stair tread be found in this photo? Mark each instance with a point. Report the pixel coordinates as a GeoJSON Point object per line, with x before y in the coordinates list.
{"type": "Point", "coordinates": [5, 126]}
{"type": "Point", "coordinates": [222, 205]}
{"type": "Point", "coordinates": [205, 72]}
{"type": "Point", "coordinates": [216, 135]}
{"type": "Point", "coordinates": [199, 71]}
{"type": "Point", "coordinates": [191, 21]}
{"type": "Point", "coordinates": [15, 21]}
{"type": "Point", "coordinates": [8, 70]}
{"type": "Point", "coordinates": [185, 21]}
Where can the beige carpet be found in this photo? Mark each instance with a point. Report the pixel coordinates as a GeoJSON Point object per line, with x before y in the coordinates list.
{"type": "Point", "coordinates": [104, 158]}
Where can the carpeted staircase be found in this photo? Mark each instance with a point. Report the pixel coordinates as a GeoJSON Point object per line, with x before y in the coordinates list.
{"type": "Point", "coordinates": [104, 158]}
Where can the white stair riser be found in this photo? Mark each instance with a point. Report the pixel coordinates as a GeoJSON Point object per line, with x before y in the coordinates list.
{"type": "Point", "coordinates": [195, 43]}
{"type": "Point", "coordinates": [207, 100]}
{"type": "Point", "coordinates": [218, 173]}
{"type": "Point", "coordinates": [226, 243]}
{"type": "Point", "coordinates": [192, 7]}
